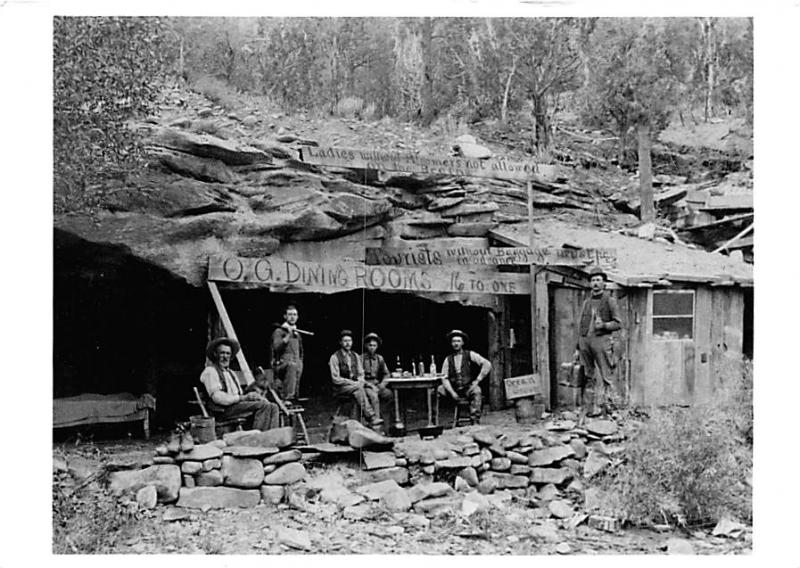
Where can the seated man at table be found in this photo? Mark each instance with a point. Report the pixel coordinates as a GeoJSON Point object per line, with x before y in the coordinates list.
{"type": "Point", "coordinates": [347, 376]}
{"type": "Point", "coordinates": [375, 374]}
{"type": "Point", "coordinates": [459, 381]}
{"type": "Point", "coordinates": [226, 398]}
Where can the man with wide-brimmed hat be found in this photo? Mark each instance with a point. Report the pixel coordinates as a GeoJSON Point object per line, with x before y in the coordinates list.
{"type": "Point", "coordinates": [599, 318]}
{"type": "Point", "coordinates": [226, 398]}
{"type": "Point", "coordinates": [375, 374]}
{"type": "Point", "coordinates": [460, 381]}
{"type": "Point", "coordinates": [347, 376]}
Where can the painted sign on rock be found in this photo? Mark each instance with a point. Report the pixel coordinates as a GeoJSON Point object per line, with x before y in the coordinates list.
{"type": "Point", "coordinates": [286, 274]}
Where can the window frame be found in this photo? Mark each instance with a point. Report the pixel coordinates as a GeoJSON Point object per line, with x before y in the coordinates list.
{"type": "Point", "coordinates": [653, 317]}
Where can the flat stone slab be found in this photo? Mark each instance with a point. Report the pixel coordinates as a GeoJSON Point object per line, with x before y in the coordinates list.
{"type": "Point", "coordinates": [378, 460]}
{"type": "Point", "coordinates": [561, 425]}
{"type": "Point", "coordinates": [211, 478]}
{"type": "Point", "coordinates": [375, 491]}
{"type": "Point", "coordinates": [200, 452]}
{"type": "Point", "coordinates": [510, 440]}
{"type": "Point", "coordinates": [516, 457]}
{"type": "Point", "coordinates": [286, 474]}
{"type": "Point", "coordinates": [433, 505]}
{"type": "Point", "coordinates": [595, 463]}
{"type": "Point", "coordinates": [165, 478]}
{"type": "Point", "coordinates": [507, 480]}
{"type": "Point", "coordinates": [279, 437]}
{"type": "Point", "coordinates": [329, 448]}
{"type": "Point", "coordinates": [454, 463]}
{"type": "Point", "coordinates": [283, 457]}
{"type": "Point", "coordinates": [251, 451]}
{"type": "Point", "coordinates": [601, 427]}
{"type": "Point", "coordinates": [396, 500]}
{"type": "Point", "coordinates": [551, 455]}
{"type": "Point", "coordinates": [218, 498]}
{"type": "Point", "coordinates": [429, 490]}
{"type": "Point", "coordinates": [560, 509]}
{"type": "Point", "coordinates": [484, 437]}
{"type": "Point", "coordinates": [398, 474]}
{"type": "Point", "coordinates": [293, 538]}
{"type": "Point", "coordinates": [545, 475]}
{"type": "Point", "coordinates": [247, 473]}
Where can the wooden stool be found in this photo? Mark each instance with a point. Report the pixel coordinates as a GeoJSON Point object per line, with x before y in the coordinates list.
{"type": "Point", "coordinates": [461, 415]}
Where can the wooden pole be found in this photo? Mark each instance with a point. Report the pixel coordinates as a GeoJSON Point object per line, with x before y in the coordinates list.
{"type": "Point", "coordinates": [229, 331]}
{"type": "Point", "coordinates": [531, 234]}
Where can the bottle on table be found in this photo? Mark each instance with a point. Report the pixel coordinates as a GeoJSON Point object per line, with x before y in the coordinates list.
{"type": "Point", "coordinates": [398, 367]}
{"type": "Point", "coordinates": [432, 368]}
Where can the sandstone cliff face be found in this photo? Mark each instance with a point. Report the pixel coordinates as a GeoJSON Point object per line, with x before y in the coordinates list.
{"type": "Point", "coordinates": [217, 185]}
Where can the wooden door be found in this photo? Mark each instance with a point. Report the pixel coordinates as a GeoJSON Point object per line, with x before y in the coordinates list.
{"type": "Point", "coordinates": [565, 311]}
{"type": "Point", "coordinates": [565, 308]}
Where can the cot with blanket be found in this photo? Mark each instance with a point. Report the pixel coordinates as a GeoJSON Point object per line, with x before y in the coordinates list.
{"type": "Point", "coordinates": [103, 408]}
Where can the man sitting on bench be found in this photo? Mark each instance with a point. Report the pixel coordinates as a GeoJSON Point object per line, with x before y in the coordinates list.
{"type": "Point", "coordinates": [226, 397]}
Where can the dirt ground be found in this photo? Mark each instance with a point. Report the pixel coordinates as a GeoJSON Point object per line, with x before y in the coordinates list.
{"type": "Point", "coordinates": [510, 527]}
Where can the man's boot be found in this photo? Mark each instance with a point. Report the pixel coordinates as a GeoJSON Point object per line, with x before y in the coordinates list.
{"type": "Point", "coordinates": [174, 445]}
{"type": "Point", "coordinates": [187, 443]}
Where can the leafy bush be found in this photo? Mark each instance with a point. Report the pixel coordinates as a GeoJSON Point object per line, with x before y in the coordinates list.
{"type": "Point", "coordinates": [215, 90]}
{"type": "Point", "coordinates": [349, 107]}
{"type": "Point", "coordinates": [689, 466]}
{"type": "Point", "coordinates": [87, 520]}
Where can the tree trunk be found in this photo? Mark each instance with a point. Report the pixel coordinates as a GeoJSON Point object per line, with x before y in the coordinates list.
{"type": "Point", "coordinates": [542, 122]}
{"type": "Point", "coordinates": [504, 108]}
{"type": "Point", "coordinates": [709, 56]}
{"type": "Point", "coordinates": [647, 212]}
{"type": "Point", "coordinates": [426, 88]}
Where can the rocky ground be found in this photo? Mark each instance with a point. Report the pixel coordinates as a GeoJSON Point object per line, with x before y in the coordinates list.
{"type": "Point", "coordinates": [321, 517]}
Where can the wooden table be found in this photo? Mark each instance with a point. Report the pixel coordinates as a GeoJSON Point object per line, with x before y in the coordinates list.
{"type": "Point", "coordinates": [429, 383]}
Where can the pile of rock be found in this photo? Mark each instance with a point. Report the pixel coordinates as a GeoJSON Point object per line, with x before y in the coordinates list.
{"type": "Point", "coordinates": [238, 471]}
{"type": "Point", "coordinates": [548, 467]}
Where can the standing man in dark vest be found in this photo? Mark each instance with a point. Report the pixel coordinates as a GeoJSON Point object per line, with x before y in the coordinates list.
{"type": "Point", "coordinates": [375, 374]}
{"type": "Point", "coordinates": [459, 381]}
{"type": "Point", "coordinates": [226, 397]}
{"type": "Point", "coordinates": [287, 356]}
{"type": "Point", "coordinates": [347, 376]}
{"type": "Point", "coordinates": [599, 318]}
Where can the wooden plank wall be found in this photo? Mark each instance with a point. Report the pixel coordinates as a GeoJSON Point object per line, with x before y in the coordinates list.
{"type": "Point", "coordinates": [542, 325]}
{"type": "Point", "coordinates": [496, 322]}
{"type": "Point", "coordinates": [637, 344]}
{"type": "Point", "coordinates": [684, 371]}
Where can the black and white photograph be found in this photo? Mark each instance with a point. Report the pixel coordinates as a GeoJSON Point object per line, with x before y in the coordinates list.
{"type": "Point", "coordinates": [447, 285]}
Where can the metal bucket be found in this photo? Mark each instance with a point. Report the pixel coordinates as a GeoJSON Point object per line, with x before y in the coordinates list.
{"type": "Point", "coordinates": [202, 429]}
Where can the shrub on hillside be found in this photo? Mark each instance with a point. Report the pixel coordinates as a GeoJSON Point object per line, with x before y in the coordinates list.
{"type": "Point", "coordinates": [349, 107]}
{"type": "Point", "coordinates": [690, 466]}
{"type": "Point", "coordinates": [215, 90]}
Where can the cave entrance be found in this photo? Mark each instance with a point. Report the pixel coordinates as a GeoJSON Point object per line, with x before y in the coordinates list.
{"type": "Point", "coordinates": [411, 327]}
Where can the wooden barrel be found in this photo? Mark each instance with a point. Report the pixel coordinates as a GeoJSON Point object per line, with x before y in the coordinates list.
{"type": "Point", "coordinates": [528, 410]}
{"type": "Point", "coordinates": [202, 429]}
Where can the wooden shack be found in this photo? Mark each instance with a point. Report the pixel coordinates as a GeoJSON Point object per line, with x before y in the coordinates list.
{"type": "Point", "coordinates": [684, 311]}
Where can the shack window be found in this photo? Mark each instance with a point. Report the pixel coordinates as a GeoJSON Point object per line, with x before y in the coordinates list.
{"type": "Point", "coordinates": [673, 314]}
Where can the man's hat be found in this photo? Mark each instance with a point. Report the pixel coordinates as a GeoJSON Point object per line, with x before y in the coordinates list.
{"type": "Point", "coordinates": [458, 333]}
{"type": "Point", "coordinates": [344, 333]}
{"type": "Point", "coordinates": [211, 348]}
{"type": "Point", "coordinates": [370, 336]}
{"type": "Point", "coordinates": [597, 271]}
